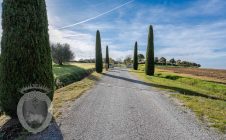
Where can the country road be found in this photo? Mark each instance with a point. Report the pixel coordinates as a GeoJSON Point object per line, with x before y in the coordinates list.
{"type": "Point", "coordinates": [121, 107]}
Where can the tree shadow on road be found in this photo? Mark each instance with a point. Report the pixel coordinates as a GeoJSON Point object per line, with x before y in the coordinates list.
{"type": "Point", "coordinates": [114, 71]}
{"type": "Point", "coordinates": [119, 69]}
{"type": "Point", "coordinates": [93, 77]}
{"type": "Point", "coordinates": [180, 90]}
{"type": "Point", "coordinates": [53, 132]}
{"type": "Point", "coordinates": [12, 129]}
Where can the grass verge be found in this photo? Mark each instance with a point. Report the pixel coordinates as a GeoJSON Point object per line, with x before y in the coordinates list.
{"type": "Point", "coordinates": [61, 100]}
{"type": "Point", "coordinates": [72, 92]}
{"type": "Point", "coordinates": [206, 99]}
{"type": "Point", "coordinates": [67, 74]}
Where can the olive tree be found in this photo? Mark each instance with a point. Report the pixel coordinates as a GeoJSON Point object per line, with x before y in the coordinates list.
{"type": "Point", "coordinates": [61, 53]}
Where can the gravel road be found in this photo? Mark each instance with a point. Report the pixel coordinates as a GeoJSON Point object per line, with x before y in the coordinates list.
{"type": "Point", "coordinates": [120, 107]}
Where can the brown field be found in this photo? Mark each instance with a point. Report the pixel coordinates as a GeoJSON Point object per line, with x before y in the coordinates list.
{"type": "Point", "coordinates": [206, 74]}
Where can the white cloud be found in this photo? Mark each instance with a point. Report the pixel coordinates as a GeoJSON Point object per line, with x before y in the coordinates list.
{"type": "Point", "coordinates": [192, 42]}
{"type": "Point", "coordinates": [82, 45]}
{"type": "Point", "coordinates": [207, 7]}
{"type": "Point", "coordinates": [174, 37]}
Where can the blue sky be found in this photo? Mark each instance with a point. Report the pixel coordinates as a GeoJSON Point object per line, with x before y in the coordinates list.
{"type": "Point", "coordinates": [193, 30]}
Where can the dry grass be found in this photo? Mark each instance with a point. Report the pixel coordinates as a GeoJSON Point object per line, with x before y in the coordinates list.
{"type": "Point", "coordinates": [83, 65]}
{"type": "Point", "coordinates": [71, 92]}
{"type": "Point", "coordinates": [3, 119]}
{"type": "Point", "coordinates": [205, 74]}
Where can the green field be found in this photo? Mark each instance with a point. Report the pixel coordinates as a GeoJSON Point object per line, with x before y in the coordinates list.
{"type": "Point", "coordinates": [72, 72]}
{"type": "Point", "coordinates": [207, 99]}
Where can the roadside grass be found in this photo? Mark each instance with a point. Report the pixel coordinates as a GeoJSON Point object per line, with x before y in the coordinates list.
{"type": "Point", "coordinates": [207, 99]}
{"type": "Point", "coordinates": [72, 92]}
{"type": "Point", "coordinates": [68, 74]}
{"type": "Point", "coordinates": [61, 100]}
{"type": "Point", "coordinates": [63, 96]}
{"type": "Point", "coordinates": [208, 110]}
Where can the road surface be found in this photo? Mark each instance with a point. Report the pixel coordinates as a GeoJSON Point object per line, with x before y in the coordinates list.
{"type": "Point", "coordinates": [121, 107]}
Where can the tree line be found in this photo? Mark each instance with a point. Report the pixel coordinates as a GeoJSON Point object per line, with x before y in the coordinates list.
{"type": "Point", "coordinates": [149, 62]}
{"type": "Point", "coordinates": [62, 53]}
{"type": "Point", "coordinates": [161, 61]}
{"type": "Point", "coordinates": [173, 62]}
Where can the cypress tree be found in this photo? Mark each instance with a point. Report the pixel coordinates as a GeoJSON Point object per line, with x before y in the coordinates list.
{"type": "Point", "coordinates": [150, 64]}
{"type": "Point", "coordinates": [107, 61]}
{"type": "Point", "coordinates": [135, 58]}
{"type": "Point", "coordinates": [25, 51]}
{"type": "Point", "coordinates": [99, 61]}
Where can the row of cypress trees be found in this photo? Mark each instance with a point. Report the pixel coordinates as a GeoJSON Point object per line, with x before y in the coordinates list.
{"type": "Point", "coordinates": [99, 61]}
{"type": "Point", "coordinates": [149, 63]}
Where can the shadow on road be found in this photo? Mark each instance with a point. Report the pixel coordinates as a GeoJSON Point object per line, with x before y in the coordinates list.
{"type": "Point", "coordinates": [93, 77]}
{"type": "Point", "coordinates": [12, 129]}
{"type": "Point", "coordinates": [115, 71]}
{"type": "Point", "coordinates": [180, 90]}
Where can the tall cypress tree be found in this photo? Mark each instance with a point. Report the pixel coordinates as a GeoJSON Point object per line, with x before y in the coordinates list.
{"type": "Point", "coordinates": [107, 61]}
{"type": "Point", "coordinates": [150, 63]}
{"type": "Point", "coordinates": [135, 58]}
{"type": "Point", "coordinates": [99, 61]}
{"type": "Point", "coordinates": [25, 48]}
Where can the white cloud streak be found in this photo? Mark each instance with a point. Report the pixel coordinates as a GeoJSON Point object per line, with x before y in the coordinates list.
{"type": "Point", "coordinates": [89, 19]}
